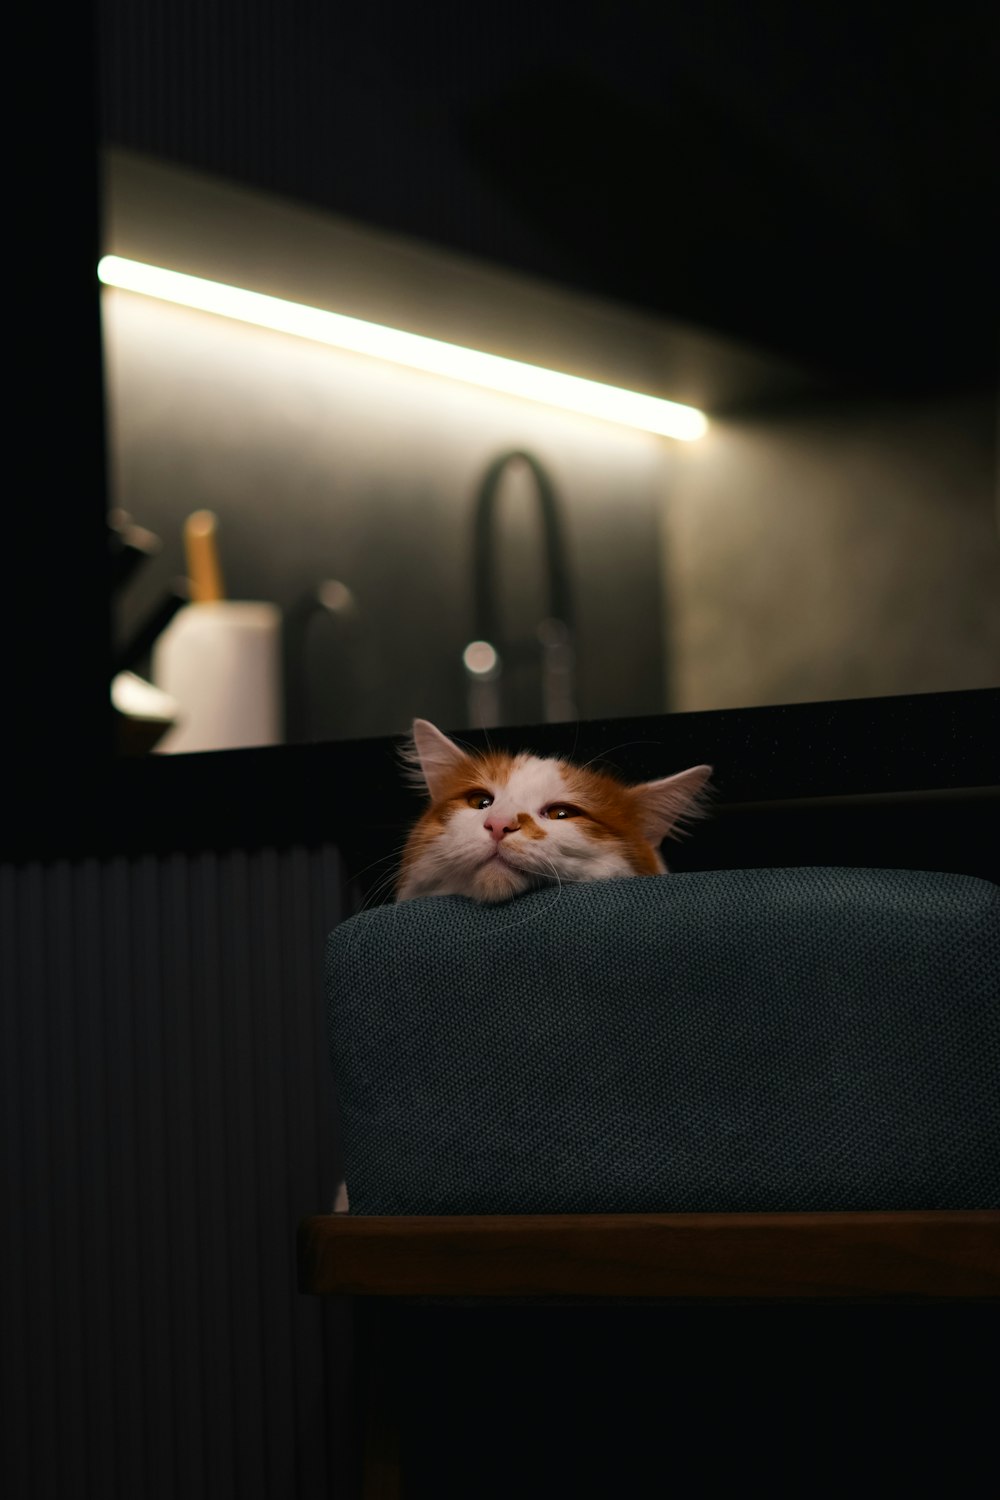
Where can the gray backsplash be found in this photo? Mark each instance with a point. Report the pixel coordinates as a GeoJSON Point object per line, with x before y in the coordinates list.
{"type": "Point", "coordinates": [324, 466]}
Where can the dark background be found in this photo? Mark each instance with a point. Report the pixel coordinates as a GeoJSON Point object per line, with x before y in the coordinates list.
{"type": "Point", "coordinates": [818, 185]}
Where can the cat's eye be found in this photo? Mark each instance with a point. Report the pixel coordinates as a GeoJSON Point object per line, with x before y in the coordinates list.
{"type": "Point", "coordinates": [559, 810]}
{"type": "Point", "coordinates": [479, 799]}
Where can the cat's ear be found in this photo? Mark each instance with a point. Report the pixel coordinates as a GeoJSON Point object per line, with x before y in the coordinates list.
{"type": "Point", "coordinates": [431, 758]}
{"type": "Point", "coordinates": [666, 804]}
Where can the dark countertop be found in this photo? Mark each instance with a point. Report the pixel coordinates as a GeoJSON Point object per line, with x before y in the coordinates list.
{"type": "Point", "coordinates": [841, 759]}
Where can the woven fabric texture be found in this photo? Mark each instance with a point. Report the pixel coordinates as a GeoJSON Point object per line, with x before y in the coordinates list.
{"type": "Point", "coordinates": [731, 1041]}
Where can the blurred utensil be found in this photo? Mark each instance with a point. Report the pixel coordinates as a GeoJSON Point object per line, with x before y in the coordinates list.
{"type": "Point", "coordinates": [201, 549]}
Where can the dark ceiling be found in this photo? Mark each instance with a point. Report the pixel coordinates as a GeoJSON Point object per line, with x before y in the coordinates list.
{"type": "Point", "coordinates": [820, 186]}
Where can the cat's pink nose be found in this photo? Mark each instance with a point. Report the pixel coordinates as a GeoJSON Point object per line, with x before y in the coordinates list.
{"type": "Point", "coordinates": [499, 827]}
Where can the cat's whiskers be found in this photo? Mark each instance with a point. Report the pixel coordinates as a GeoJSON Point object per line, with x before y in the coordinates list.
{"type": "Point", "coordinates": [382, 886]}
{"type": "Point", "coordinates": [393, 854]}
{"type": "Point", "coordinates": [384, 882]}
{"type": "Point", "coordinates": [625, 745]}
{"type": "Point", "coordinates": [378, 890]}
{"type": "Point", "coordinates": [534, 915]}
{"type": "Point", "coordinates": [358, 927]}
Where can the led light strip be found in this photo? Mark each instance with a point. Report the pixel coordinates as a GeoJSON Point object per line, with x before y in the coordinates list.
{"type": "Point", "coordinates": [570, 392]}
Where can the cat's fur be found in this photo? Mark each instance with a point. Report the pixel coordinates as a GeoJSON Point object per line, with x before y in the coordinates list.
{"type": "Point", "coordinates": [499, 825]}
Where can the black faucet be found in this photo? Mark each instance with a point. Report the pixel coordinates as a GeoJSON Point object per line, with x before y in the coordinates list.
{"type": "Point", "coordinates": [487, 655]}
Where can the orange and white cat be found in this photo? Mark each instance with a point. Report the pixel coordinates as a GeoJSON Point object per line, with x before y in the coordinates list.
{"type": "Point", "coordinates": [499, 825]}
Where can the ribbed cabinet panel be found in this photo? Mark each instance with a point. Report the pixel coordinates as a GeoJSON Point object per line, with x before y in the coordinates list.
{"type": "Point", "coordinates": [240, 92]}
{"type": "Point", "coordinates": [168, 1117]}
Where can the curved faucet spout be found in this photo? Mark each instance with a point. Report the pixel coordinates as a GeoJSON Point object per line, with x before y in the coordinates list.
{"type": "Point", "coordinates": [554, 632]}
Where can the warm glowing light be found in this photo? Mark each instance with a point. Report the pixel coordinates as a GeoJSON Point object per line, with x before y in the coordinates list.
{"type": "Point", "coordinates": [570, 392]}
{"type": "Point", "coordinates": [481, 659]}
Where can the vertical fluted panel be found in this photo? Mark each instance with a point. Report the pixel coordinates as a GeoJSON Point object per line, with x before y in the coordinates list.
{"type": "Point", "coordinates": [234, 90]}
{"type": "Point", "coordinates": [167, 1119]}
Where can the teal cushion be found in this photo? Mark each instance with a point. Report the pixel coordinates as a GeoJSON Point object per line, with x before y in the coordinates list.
{"type": "Point", "coordinates": [737, 1040]}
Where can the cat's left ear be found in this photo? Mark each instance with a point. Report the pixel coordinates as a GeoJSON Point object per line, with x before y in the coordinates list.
{"type": "Point", "coordinates": [676, 799]}
{"type": "Point", "coordinates": [432, 757]}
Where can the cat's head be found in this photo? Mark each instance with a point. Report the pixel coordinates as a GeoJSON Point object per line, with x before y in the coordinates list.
{"type": "Point", "coordinates": [500, 824]}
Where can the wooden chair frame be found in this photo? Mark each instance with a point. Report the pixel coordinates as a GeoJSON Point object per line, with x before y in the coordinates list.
{"type": "Point", "coordinates": [883, 1256]}
{"type": "Point", "coordinates": [920, 1257]}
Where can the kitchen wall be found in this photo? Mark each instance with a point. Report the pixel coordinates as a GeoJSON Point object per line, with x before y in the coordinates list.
{"type": "Point", "coordinates": [835, 551]}
{"type": "Point", "coordinates": [806, 548]}
{"type": "Point", "coordinates": [326, 465]}
{"type": "Point", "coordinates": [323, 465]}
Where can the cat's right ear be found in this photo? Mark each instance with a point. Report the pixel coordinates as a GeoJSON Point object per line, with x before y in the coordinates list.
{"type": "Point", "coordinates": [432, 758]}
{"type": "Point", "coordinates": [666, 806]}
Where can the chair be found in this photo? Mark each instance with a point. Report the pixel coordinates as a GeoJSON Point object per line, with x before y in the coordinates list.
{"type": "Point", "coordinates": [728, 1088]}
